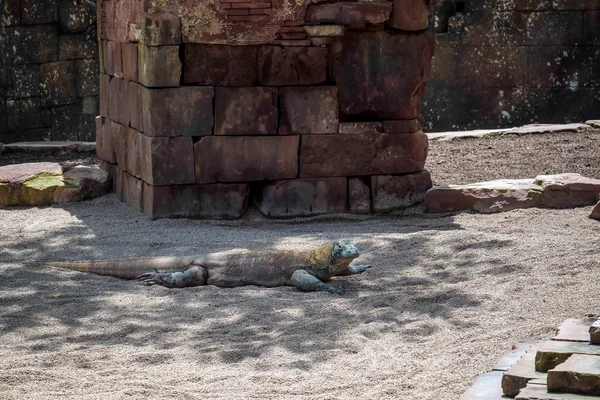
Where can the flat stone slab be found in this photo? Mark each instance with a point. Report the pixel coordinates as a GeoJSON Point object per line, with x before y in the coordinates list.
{"type": "Point", "coordinates": [38, 184]}
{"type": "Point", "coordinates": [579, 374]}
{"type": "Point", "coordinates": [485, 197]}
{"type": "Point", "coordinates": [540, 392]}
{"type": "Point", "coordinates": [594, 332]}
{"type": "Point", "coordinates": [568, 182]}
{"type": "Point", "coordinates": [553, 353]}
{"type": "Point", "coordinates": [517, 376]}
{"type": "Point", "coordinates": [594, 123]}
{"type": "Point", "coordinates": [486, 387]}
{"type": "Point", "coordinates": [518, 351]}
{"type": "Point", "coordinates": [523, 130]}
{"type": "Point", "coordinates": [596, 212]}
{"type": "Point", "coordinates": [574, 330]}
{"type": "Point", "coordinates": [50, 147]}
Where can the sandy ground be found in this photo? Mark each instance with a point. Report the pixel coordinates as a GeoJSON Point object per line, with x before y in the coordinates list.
{"type": "Point", "coordinates": [447, 296]}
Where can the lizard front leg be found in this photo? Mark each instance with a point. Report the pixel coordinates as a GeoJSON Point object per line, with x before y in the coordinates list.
{"type": "Point", "coordinates": [193, 276]}
{"type": "Point", "coordinates": [306, 282]}
{"type": "Point", "coordinates": [353, 270]}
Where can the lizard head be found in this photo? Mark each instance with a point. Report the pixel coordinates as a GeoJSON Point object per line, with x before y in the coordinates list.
{"type": "Point", "coordinates": [342, 254]}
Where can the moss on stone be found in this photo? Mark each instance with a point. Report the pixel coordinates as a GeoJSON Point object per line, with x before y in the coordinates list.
{"type": "Point", "coordinates": [39, 189]}
{"type": "Point", "coordinates": [6, 195]}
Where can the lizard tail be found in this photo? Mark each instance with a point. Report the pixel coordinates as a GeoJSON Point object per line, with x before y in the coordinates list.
{"type": "Point", "coordinates": [126, 269]}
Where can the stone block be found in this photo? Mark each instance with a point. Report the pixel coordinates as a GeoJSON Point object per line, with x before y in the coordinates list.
{"type": "Point", "coordinates": [391, 68]}
{"type": "Point", "coordinates": [11, 12]}
{"type": "Point", "coordinates": [402, 126]}
{"type": "Point", "coordinates": [495, 28]}
{"type": "Point", "coordinates": [75, 16]}
{"type": "Point", "coordinates": [130, 190]}
{"type": "Point", "coordinates": [518, 351]}
{"type": "Point", "coordinates": [518, 375]}
{"type": "Point", "coordinates": [534, 391]}
{"type": "Point", "coordinates": [553, 353]}
{"type": "Point", "coordinates": [34, 12]}
{"type": "Point", "coordinates": [166, 160]}
{"type": "Point", "coordinates": [129, 59]}
{"type": "Point", "coordinates": [359, 196]}
{"type": "Point", "coordinates": [78, 45]}
{"type": "Point", "coordinates": [591, 26]}
{"type": "Point", "coordinates": [390, 192]}
{"type": "Point", "coordinates": [104, 85]}
{"type": "Point", "coordinates": [580, 373]}
{"type": "Point", "coordinates": [135, 93]}
{"type": "Point", "coordinates": [184, 111]}
{"type": "Point", "coordinates": [114, 49]}
{"type": "Point", "coordinates": [58, 85]}
{"type": "Point", "coordinates": [220, 65]}
{"type": "Point", "coordinates": [409, 15]}
{"type": "Point", "coordinates": [555, 28]}
{"type": "Point", "coordinates": [493, 66]}
{"type": "Point", "coordinates": [91, 182]}
{"type": "Point", "coordinates": [160, 29]}
{"type": "Point", "coordinates": [324, 30]}
{"type": "Point", "coordinates": [595, 332]}
{"type": "Point", "coordinates": [574, 330]}
{"type": "Point", "coordinates": [283, 66]}
{"type": "Point", "coordinates": [89, 110]}
{"type": "Point", "coordinates": [303, 197]}
{"type": "Point", "coordinates": [349, 13]}
{"type": "Point", "coordinates": [596, 214]}
{"type": "Point", "coordinates": [119, 137]}
{"type": "Point", "coordinates": [25, 82]}
{"type": "Point", "coordinates": [239, 158]}
{"type": "Point", "coordinates": [132, 156]}
{"type": "Point", "coordinates": [105, 147]}
{"type": "Point", "coordinates": [306, 110]}
{"type": "Point", "coordinates": [109, 57]}
{"type": "Point", "coordinates": [246, 111]}
{"type": "Point", "coordinates": [568, 190]}
{"type": "Point", "coordinates": [159, 66]}
{"type": "Point", "coordinates": [361, 127]}
{"type": "Point", "coordinates": [216, 201]}
{"type": "Point", "coordinates": [117, 108]}
{"type": "Point", "coordinates": [34, 44]}
{"type": "Point", "coordinates": [111, 171]}
{"type": "Point", "coordinates": [24, 114]}
{"type": "Point", "coordinates": [362, 154]}
{"type": "Point", "coordinates": [571, 67]}
{"type": "Point", "coordinates": [65, 122]}
{"type": "Point", "coordinates": [486, 387]}
{"type": "Point", "coordinates": [484, 197]}
{"type": "Point", "coordinates": [86, 77]}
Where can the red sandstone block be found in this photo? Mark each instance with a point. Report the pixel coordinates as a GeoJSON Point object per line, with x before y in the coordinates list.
{"type": "Point", "coordinates": [246, 111]}
{"type": "Point", "coordinates": [360, 127]}
{"type": "Point", "coordinates": [104, 94]}
{"type": "Point", "coordinates": [161, 29]}
{"type": "Point", "coordinates": [303, 197]}
{"type": "Point", "coordinates": [104, 141]}
{"type": "Point", "coordinates": [114, 89]}
{"type": "Point", "coordinates": [159, 66]}
{"type": "Point", "coordinates": [363, 154]}
{"type": "Point", "coordinates": [246, 18]}
{"type": "Point", "coordinates": [359, 196]}
{"type": "Point", "coordinates": [136, 117]}
{"type": "Point", "coordinates": [402, 126]}
{"type": "Point", "coordinates": [220, 65]}
{"type": "Point", "coordinates": [238, 12]}
{"type": "Point", "coordinates": [115, 49]}
{"type": "Point", "coordinates": [281, 66]}
{"type": "Point", "coordinates": [216, 201]}
{"type": "Point", "coordinates": [183, 111]}
{"type": "Point", "coordinates": [292, 43]}
{"type": "Point", "coordinates": [292, 36]}
{"type": "Point", "coordinates": [293, 29]}
{"type": "Point", "coordinates": [239, 158]}
{"type": "Point", "coordinates": [251, 5]}
{"type": "Point", "coordinates": [308, 110]}
{"type": "Point", "coordinates": [394, 192]}
{"type": "Point", "coordinates": [129, 59]}
{"type": "Point", "coordinates": [261, 11]}
{"type": "Point", "coordinates": [132, 162]}
{"type": "Point", "coordinates": [166, 160]}
{"type": "Point", "coordinates": [109, 62]}
{"type": "Point", "coordinates": [129, 190]}
{"type": "Point", "coordinates": [409, 15]}
{"type": "Point", "coordinates": [226, 6]}
{"type": "Point", "coordinates": [349, 13]}
{"type": "Point", "coordinates": [294, 23]}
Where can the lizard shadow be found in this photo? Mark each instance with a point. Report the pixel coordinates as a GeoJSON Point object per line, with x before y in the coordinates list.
{"type": "Point", "coordinates": [409, 289]}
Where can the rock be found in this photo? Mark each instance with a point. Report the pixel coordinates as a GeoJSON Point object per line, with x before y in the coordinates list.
{"type": "Point", "coordinates": [518, 351]}
{"type": "Point", "coordinates": [553, 353]}
{"type": "Point", "coordinates": [104, 87]}
{"type": "Point", "coordinates": [392, 70]}
{"type": "Point", "coordinates": [135, 104]}
{"type": "Point", "coordinates": [246, 158]}
{"type": "Point", "coordinates": [166, 160]}
{"type": "Point", "coordinates": [485, 197]}
{"type": "Point", "coordinates": [220, 65]}
{"type": "Point", "coordinates": [361, 127]}
{"type": "Point", "coordinates": [303, 197]}
{"type": "Point", "coordinates": [579, 374]}
{"type": "Point", "coordinates": [246, 111]}
{"type": "Point", "coordinates": [349, 13]}
{"type": "Point", "coordinates": [92, 181]}
{"type": "Point", "coordinates": [409, 15]}
{"type": "Point", "coordinates": [539, 392]}
{"type": "Point", "coordinates": [568, 190]}
{"type": "Point", "coordinates": [359, 196]}
{"type": "Point", "coordinates": [594, 123]}
{"type": "Point", "coordinates": [324, 30]}
{"type": "Point", "coordinates": [394, 192]}
{"type": "Point", "coordinates": [308, 110]}
{"type": "Point", "coordinates": [519, 374]}
{"type": "Point", "coordinates": [486, 387]}
{"type": "Point", "coordinates": [184, 111]}
{"type": "Point", "coordinates": [595, 332]}
{"type": "Point", "coordinates": [362, 154]}
{"type": "Point", "coordinates": [216, 201]}
{"type": "Point", "coordinates": [159, 66]}
{"type": "Point", "coordinates": [548, 128]}
{"type": "Point", "coordinates": [287, 66]}
{"type": "Point", "coordinates": [129, 58]}
{"type": "Point", "coordinates": [160, 30]}
{"type": "Point", "coordinates": [574, 330]}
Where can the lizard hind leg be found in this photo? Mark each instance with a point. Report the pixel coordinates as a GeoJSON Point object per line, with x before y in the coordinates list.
{"type": "Point", "coordinates": [193, 276]}
{"type": "Point", "coordinates": [306, 282]}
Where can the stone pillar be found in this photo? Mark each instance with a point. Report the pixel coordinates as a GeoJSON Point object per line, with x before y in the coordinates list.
{"type": "Point", "coordinates": [299, 108]}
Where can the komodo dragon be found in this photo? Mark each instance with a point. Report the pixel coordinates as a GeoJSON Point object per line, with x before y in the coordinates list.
{"type": "Point", "coordinates": [306, 270]}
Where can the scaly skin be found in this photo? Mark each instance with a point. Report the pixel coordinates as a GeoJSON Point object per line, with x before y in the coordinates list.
{"type": "Point", "coordinates": [306, 270]}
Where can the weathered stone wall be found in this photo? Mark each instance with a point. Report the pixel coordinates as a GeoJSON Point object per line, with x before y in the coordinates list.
{"type": "Point", "coordinates": [48, 70]}
{"type": "Point", "coordinates": [512, 62]}
{"type": "Point", "coordinates": [301, 108]}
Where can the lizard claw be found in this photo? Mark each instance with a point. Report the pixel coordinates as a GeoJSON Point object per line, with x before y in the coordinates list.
{"type": "Point", "coordinates": [152, 278]}
{"type": "Point", "coordinates": [335, 289]}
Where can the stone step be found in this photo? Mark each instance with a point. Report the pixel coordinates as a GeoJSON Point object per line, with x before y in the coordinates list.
{"type": "Point", "coordinates": [574, 330]}
{"type": "Point", "coordinates": [517, 376]}
{"type": "Point", "coordinates": [553, 353]}
{"type": "Point", "coordinates": [540, 392]}
{"type": "Point", "coordinates": [50, 147]}
{"type": "Point", "coordinates": [595, 328]}
{"type": "Point", "coordinates": [486, 387]}
{"type": "Point", "coordinates": [518, 351]}
{"type": "Point", "coordinates": [579, 374]}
